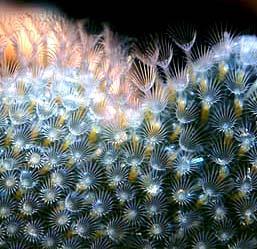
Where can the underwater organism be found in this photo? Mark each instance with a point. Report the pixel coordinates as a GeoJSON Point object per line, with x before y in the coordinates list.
{"type": "Point", "coordinates": [185, 163]}
{"type": "Point", "coordinates": [22, 136]}
{"type": "Point", "coordinates": [154, 205]}
{"type": "Point", "coordinates": [49, 193]}
{"type": "Point", "coordinates": [156, 99]}
{"type": "Point", "coordinates": [251, 103]}
{"type": "Point", "coordinates": [102, 203]}
{"type": "Point", "coordinates": [29, 179]}
{"type": "Point", "coordinates": [142, 75]}
{"type": "Point", "coordinates": [245, 135]}
{"type": "Point", "coordinates": [186, 112]}
{"type": "Point", "coordinates": [29, 204]}
{"type": "Point", "coordinates": [46, 108]}
{"type": "Point", "coordinates": [63, 178]}
{"type": "Point", "coordinates": [50, 240]}
{"type": "Point", "coordinates": [8, 183]}
{"type": "Point", "coordinates": [85, 227]}
{"type": "Point", "coordinates": [188, 222]}
{"type": "Point", "coordinates": [212, 184]}
{"type": "Point", "coordinates": [237, 81]}
{"type": "Point", "coordinates": [203, 239]}
{"type": "Point", "coordinates": [56, 155]}
{"type": "Point", "coordinates": [116, 229]}
{"type": "Point", "coordinates": [178, 77]}
{"type": "Point", "coordinates": [33, 231]}
{"type": "Point", "coordinates": [114, 133]}
{"type": "Point", "coordinates": [223, 151]}
{"type": "Point", "coordinates": [107, 154]}
{"type": "Point", "coordinates": [184, 191]}
{"type": "Point", "coordinates": [191, 138]}
{"type": "Point", "coordinates": [133, 153]}
{"type": "Point", "coordinates": [140, 242]}
{"type": "Point", "coordinates": [176, 242]}
{"type": "Point", "coordinates": [36, 157]}
{"type": "Point", "coordinates": [13, 227]}
{"type": "Point", "coordinates": [74, 202]}
{"type": "Point", "coordinates": [159, 159]}
{"type": "Point", "coordinates": [81, 150]}
{"type": "Point", "coordinates": [209, 92]}
{"type": "Point", "coordinates": [17, 245]}
{"type": "Point", "coordinates": [53, 129]}
{"type": "Point", "coordinates": [90, 176]}
{"type": "Point", "coordinates": [73, 243]}
{"type": "Point", "coordinates": [158, 227]}
{"type": "Point", "coordinates": [134, 213]}
{"type": "Point", "coordinates": [60, 220]}
{"type": "Point", "coordinates": [7, 207]}
{"type": "Point", "coordinates": [201, 59]}
{"type": "Point", "coordinates": [165, 51]}
{"type": "Point", "coordinates": [78, 122]}
{"type": "Point", "coordinates": [101, 243]}
{"type": "Point", "coordinates": [224, 230]}
{"type": "Point", "coordinates": [110, 142]}
{"type": "Point", "coordinates": [244, 241]}
{"type": "Point", "coordinates": [10, 160]}
{"type": "Point", "coordinates": [125, 192]}
{"type": "Point", "coordinates": [153, 133]}
{"type": "Point", "coordinates": [20, 113]}
{"type": "Point", "coordinates": [244, 179]}
{"type": "Point", "coordinates": [217, 210]}
{"type": "Point", "coordinates": [184, 36]}
{"type": "Point", "coordinates": [151, 181]}
{"type": "Point", "coordinates": [117, 174]}
{"type": "Point", "coordinates": [223, 119]}
{"type": "Point", "coordinates": [245, 210]}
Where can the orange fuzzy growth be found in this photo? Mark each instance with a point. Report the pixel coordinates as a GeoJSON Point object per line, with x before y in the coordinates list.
{"type": "Point", "coordinates": [205, 112]}
{"type": "Point", "coordinates": [238, 107]}
{"type": "Point", "coordinates": [133, 173]}
{"type": "Point", "coordinates": [34, 39]}
{"type": "Point", "coordinates": [174, 135]}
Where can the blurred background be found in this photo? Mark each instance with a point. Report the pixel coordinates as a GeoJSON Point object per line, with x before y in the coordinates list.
{"type": "Point", "coordinates": [135, 17]}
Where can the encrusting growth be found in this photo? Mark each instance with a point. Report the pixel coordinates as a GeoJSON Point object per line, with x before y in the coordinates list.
{"type": "Point", "coordinates": [106, 143]}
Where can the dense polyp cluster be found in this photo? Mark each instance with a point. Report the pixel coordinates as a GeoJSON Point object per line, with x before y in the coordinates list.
{"type": "Point", "coordinates": [106, 145]}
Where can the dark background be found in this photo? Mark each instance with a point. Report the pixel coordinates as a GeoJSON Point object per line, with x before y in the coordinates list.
{"type": "Point", "coordinates": [130, 17]}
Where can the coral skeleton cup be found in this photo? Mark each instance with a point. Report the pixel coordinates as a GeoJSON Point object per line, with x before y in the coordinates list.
{"type": "Point", "coordinates": [109, 144]}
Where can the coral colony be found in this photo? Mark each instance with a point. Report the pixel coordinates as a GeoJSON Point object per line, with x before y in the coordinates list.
{"type": "Point", "coordinates": [107, 144]}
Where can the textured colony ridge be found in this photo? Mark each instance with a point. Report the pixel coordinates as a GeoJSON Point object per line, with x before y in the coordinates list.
{"type": "Point", "coordinates": [109, 144]}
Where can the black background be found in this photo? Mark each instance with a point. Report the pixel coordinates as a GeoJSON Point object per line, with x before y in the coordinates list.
{"type": "Point", "coordinates": [133, 18]}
